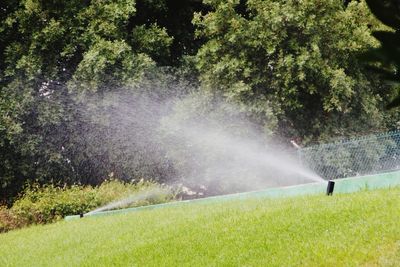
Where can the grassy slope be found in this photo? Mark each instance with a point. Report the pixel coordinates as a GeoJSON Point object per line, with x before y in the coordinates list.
{"type": "Point", "coordinates": [349, 229]}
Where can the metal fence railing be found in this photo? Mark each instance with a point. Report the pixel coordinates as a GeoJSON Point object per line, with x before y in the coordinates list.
{"type": "Point", "coordinates": [353, 157]}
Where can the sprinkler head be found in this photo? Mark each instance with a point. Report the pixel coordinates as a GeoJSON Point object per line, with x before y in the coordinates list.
{"type": "Point", "coordinates": [330, 187]}
{"type": "Point", "coordinates": [81, 215]}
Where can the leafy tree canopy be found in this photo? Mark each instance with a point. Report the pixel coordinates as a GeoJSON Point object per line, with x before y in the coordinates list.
{"type": "Point", "coordinates": [290, 66]}
{"type": "Point", "coordinates": [296, 58]}
{"type": "Point", "coordinates": [52, 52]}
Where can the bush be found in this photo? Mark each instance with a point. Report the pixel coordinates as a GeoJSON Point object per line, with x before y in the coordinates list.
{"type": "Point", "coordinates": [40, 204]}
{"type": "Point", "coordinates": [48, 203]}
{"type": "Point", "coordinates": [9, 221]}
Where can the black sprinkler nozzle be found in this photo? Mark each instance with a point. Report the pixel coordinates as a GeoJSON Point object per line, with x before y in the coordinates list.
{"type": "Point", "coordinates": [81, 215]}
{"type": "Point", "coordinates": [330, 187]}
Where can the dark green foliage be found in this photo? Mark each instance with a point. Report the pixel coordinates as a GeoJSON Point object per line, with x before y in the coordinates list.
{"type": "Point", "coordinates": [385, 59]}
{"type": "Point", "coordinates": [290, 66]}
{"type": "Point", "coordinates": [387, 11]}
{"type": "Point", "coordinates": [55, 53]}
{"type": "Point", "coordinates": [175, 16]}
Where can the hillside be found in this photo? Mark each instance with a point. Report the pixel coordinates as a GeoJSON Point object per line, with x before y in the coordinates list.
{"type": "Point", "coordinates": [345, 229]}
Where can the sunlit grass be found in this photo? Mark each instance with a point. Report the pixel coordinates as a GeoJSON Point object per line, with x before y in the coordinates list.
{"type": "Point", "coordinates": [343, 230]}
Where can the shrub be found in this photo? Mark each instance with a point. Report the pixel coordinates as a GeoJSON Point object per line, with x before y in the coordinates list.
{"type": "Point", "coordinates": [48, 203]}
{"type": "Point", "coordinates": [40, 204]}
{"type": "Point", "coordinates": [9, 221]}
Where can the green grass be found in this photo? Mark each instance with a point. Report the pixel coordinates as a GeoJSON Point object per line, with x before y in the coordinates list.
{"type": "Point", "coordinates": [343, 230]}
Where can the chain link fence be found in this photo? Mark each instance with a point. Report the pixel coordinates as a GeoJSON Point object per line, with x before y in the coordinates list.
{"type": "Point", "coordinates": [353, 157]}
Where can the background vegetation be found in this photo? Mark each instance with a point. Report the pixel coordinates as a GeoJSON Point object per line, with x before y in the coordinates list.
{"type": "Point", "coordinates": [291, 66]}
{"type": "Point", "coordinates": [46, 204]}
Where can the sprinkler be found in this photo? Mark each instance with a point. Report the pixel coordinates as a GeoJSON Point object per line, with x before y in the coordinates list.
{"type": "Point", "coordinates": [81, 215]}
{"type": "Point", "coordinates": [330, 187]}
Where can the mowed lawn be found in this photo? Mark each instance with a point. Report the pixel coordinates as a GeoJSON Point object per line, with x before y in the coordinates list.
{"type": "Point", "coordinates": [343, 230]}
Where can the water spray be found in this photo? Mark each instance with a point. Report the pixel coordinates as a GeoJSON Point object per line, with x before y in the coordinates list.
{"type": "Point", "coordinates": [330, 187]}
{"type": "Point", "coordinates": [144, 194]}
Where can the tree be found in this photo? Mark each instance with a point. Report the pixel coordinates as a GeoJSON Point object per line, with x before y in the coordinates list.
{"type": "Point", "coordinates": [53, 55]}
{"type": "Point", "coordinates": [298, 58]}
